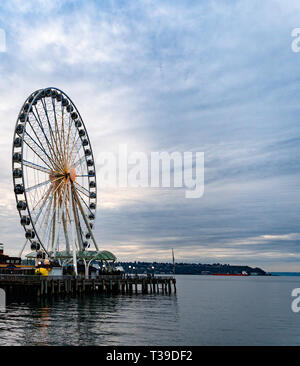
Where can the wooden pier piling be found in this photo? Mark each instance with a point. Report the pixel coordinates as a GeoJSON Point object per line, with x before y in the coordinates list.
{"type": "Point", "coordinates": [38, 286]}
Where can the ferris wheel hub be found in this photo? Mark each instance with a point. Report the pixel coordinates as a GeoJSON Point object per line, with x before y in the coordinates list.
{"type": "Point", "coordinates": [69, 175]}
{"type": "Point", "coordinates": [72, 174]}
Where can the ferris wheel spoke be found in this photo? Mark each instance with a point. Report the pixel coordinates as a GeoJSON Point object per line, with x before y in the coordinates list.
{"type": "Point", "coordinates": [82, 199]}
{"type": "Point", "coordinates": [68, 139]}
{"type": "Point", "coordinates": [75, 154]}
{"type": "Point", "coordinates": [63, 137]}
{"type": "Point", "coordinates": [53, 139]}
{"type": "Point", "coordinates": [57, 136]}
{"type": "Point", "coordinates": [72, 148]}
{"type": "Point", "coordinates": [57, 131]}
{"type": "Point", "coordinates": [37, 154]}
{"type": "Point", "coordinates": [37, 185]}
{"type": "Point", "coordinates": [43, 199]}
{"type": "Point", "coordinates": [44, 204]}
{"type": "Point", "coordinates": [36, 218]}
{"type": "Point", "coordinates": [83, 190]}
{"type": "Point", "coordinates": [51, 150]}
{"type": "Point", "coordinates": [54, 147]}
{"type": "Point", "coordinates": [47, 235]}
{"type": "Point", "coordinates": [58, 185]}
{"type": "Point", "coordinates": [76, 151]}
{"type": "Point", "coordinates": [40, 145]}
{"type": "Point", "coordinates": [78, 162]}
{"type": "Point", "coordinates": [44, 222]}
{"type": "Point", "coordinates": [29, 164]}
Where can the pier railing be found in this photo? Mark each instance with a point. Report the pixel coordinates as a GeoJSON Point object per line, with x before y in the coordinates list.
{"type": "Point", "coordinates": [99, 277]}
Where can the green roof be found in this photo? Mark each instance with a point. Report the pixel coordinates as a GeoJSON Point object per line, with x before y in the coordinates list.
{"type": "Point", "coordinates": [103, 255]}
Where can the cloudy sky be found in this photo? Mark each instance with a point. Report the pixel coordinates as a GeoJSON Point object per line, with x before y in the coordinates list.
{"type": "Point", "coordinates": [217, 77]}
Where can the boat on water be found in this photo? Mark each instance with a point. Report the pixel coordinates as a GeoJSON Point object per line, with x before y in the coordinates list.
{"type": "Point", "coordinates": [244, 273]}
{"type": "Point", "coordinates": [229, 274]}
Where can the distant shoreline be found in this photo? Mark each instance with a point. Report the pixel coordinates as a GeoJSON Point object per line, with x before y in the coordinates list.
{"type": "Point", "coordinates": [269, 274]}
{"type": "Point", "coordinates": [189, 268]}
{"type": "Point", "coordinates": [285, 273]}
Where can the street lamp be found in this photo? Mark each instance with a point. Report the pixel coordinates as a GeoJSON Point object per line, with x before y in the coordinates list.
{"type": "Point", "coordinates": [133, 269]}
{"type": "Point", "coordinates": [153, 271]}
{"type": "Point", "coordinates": [129, 269]}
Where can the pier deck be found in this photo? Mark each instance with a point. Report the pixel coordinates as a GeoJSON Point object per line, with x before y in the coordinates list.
{"type": "Point", "coordinates": [43, 286]}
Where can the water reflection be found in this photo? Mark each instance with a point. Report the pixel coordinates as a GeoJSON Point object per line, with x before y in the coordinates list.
{"type": "Point", "coordinates": [90, 320]}
{"type": "Point", "coordinates": [207, 310]}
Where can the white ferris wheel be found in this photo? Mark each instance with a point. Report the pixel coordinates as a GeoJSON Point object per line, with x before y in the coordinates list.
{"type": "Point", "coordinates": [54, 179]}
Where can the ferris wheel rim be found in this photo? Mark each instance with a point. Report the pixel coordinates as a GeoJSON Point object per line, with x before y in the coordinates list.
{"type": "Point", "coordinates": [32, 100]}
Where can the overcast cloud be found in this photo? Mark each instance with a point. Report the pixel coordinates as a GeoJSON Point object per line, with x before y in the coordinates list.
{"type": "Point", "coordinates": [212, 76]}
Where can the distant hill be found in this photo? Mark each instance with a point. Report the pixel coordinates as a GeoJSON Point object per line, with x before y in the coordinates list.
{"type": "Point", "coordinates": [188, 268]}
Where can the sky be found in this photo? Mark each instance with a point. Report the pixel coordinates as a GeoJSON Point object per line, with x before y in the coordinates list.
{"type": "Point", "coordinates": [218, 77]}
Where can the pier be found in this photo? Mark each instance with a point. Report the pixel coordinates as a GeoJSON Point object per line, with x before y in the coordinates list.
{"type": "Point", "coordinates": [50, 286]}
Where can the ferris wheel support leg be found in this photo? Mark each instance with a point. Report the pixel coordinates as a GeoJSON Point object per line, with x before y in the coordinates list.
{"type": "Point", "coordinates": [87, 267]}
{"type": "Point", "coordinates": [21, 252]}
{"type": "Point", "coordinates": [66, 234]}
{"type": "Point", "coordinates": [59, 223]}
{"type": "Point", "coordinates": [75, 262]}
{"type": "Point", "coordinates": [77, 223]}
{"type": "Point", "coordinates": [73, 238]}
{"type": "Point", "coordinates": [85, 219]}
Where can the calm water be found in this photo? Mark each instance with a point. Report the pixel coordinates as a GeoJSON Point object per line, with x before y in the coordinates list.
{"type": "Point", "coordinates": [207, 310]}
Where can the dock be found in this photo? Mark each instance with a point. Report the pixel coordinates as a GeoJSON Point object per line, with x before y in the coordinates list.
{"type": "Point", "coordinates": [50, 286]}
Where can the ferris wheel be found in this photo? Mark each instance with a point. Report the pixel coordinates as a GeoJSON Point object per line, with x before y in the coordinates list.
{"type": "Point", "coordinates": [54, 175]}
